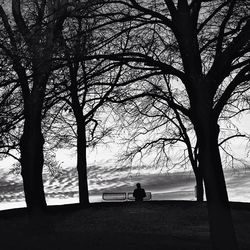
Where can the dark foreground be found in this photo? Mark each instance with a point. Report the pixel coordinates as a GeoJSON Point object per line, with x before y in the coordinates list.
{"type": "Point", "coordinates": [151, 225]}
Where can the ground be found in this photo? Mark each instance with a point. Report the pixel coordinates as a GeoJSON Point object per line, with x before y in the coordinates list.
{"type": "Point", "coordinates": [154, 225]}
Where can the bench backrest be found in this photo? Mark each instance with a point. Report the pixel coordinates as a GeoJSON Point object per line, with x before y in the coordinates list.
{"type": "Point", "coordinates": [114, 196]}
{"type": "Point", "coordinates": [123, 196]}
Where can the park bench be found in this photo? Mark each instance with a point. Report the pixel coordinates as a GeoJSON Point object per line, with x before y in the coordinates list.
{"type": "Point", "coordinates": [123, 196]}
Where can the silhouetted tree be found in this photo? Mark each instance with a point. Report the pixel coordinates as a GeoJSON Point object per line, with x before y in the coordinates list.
{"type": "Point", "coordinates": [32, 31]}
{"type": "Point", "coordinates": [83, 90]}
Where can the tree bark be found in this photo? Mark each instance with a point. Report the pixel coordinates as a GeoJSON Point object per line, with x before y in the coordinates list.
{"type": "Point", "coordinates": [201, 91]}
{"type": "Point", "coordinates": [31, 146]}
{"type": "Point", "coordinates": [82, 164]}
{"type": "Point", "coordinates": [81, 138]}
{"type": "Point", "coordinates": [199, 185]}
{"type": "Point", "coordinates": [220, 219]}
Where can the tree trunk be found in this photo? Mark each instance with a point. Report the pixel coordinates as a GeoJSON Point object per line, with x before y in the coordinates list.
{"type": "Point", "coordinates": [81, 139]}
{"type": "Point", "coordinates": [199, 185]}
{"type": "Point", "coordinates": [31, 146]}
{"type": "Point", "coordinates": [82, 164]}
{"type": "Point", "coordinates": [220, 219]}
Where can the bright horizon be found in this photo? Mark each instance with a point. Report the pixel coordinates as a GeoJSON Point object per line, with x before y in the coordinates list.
{"type": "Point", "coordinates": [163, 186]}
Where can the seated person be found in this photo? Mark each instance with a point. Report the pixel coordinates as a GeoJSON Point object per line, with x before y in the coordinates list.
{"type": "Point", "coordinates": [139, 193]}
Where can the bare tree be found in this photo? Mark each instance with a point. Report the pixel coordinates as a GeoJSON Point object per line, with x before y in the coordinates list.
{"type": "Point", "coordinates": [33, 34]}
{"type": "Point", "coordinates": [84, 88]}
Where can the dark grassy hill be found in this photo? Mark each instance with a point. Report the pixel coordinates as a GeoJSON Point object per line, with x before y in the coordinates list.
{"type": "Point", "coordinates": [149, 225]}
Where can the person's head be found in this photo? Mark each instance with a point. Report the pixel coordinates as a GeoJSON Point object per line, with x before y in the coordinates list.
{"type": "Point", "coordinates": [138, 185]}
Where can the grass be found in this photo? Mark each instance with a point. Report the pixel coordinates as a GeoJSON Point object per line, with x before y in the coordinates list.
{"type": "Point", "coordinates": [154, 225]}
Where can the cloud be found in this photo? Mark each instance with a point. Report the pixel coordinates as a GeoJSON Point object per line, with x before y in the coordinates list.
{"type": "Point", "coordinates": [123, 179]}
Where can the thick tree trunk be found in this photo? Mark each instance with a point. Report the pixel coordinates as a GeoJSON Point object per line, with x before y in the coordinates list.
{"type": "Point", "coordinates": [40, 46]}
{"type": "Point", "coordinates": [82, 164]}
{"type": "Point", "coordinates": [31, 146]}
{"type": "Point", "coordinates": [199, 185]}
{"type": "Point", "coordinates": [220, 219]}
